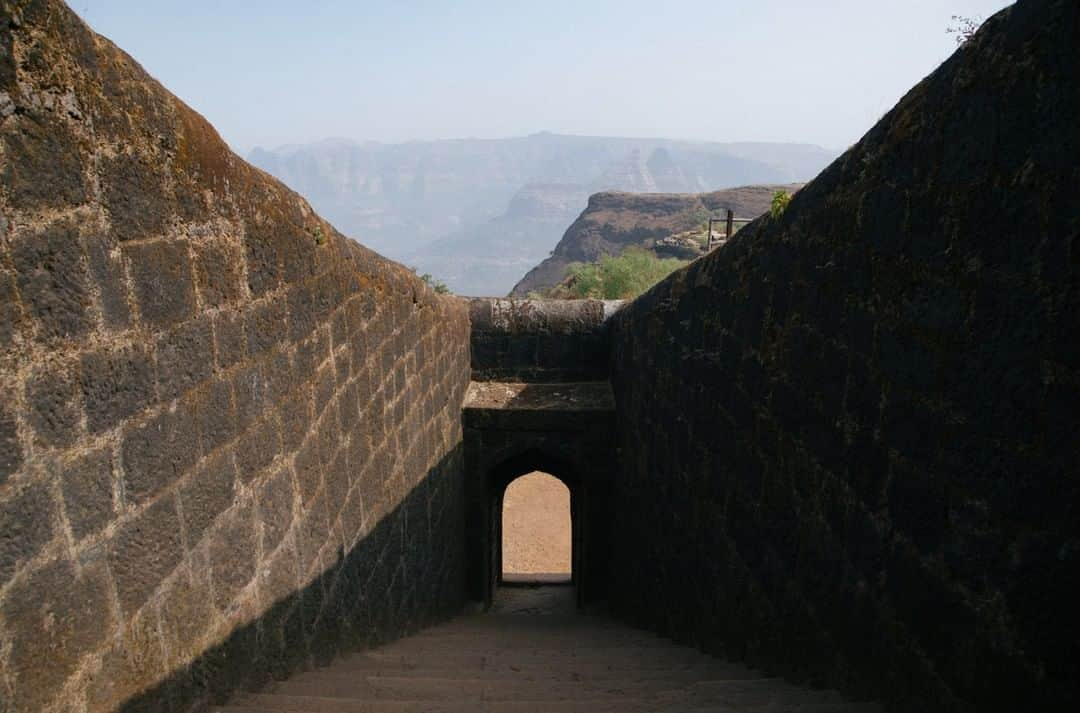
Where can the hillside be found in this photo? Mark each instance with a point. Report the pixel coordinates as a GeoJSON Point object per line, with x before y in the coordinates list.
{"type": "Point", "coordinates": [402, 199]}
{"type": "Point", "coordinates": [613, 222]}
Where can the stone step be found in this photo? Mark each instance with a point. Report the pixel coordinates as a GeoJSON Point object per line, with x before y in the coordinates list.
{"type": "Point", "coordinates": [737, 694]}
{"type": "Point", "coordinates": [546, 634]}
{"type": "Point", "coordinates": [591, 659]}
{"type": "Point", "coordinates": [472, 689]}
{"type": "Point", "coordinates": [316, 704]}
{"type": "Point", "coordinates": [480, 645]}
{"type": "Point", "coordinates": [518, 663]}
{"type": "Point", "coordinates": [616, 655]}
{"type": "Point", "coordinates": [543, 670]}
{"type": "Point", "coordinates": [509, 625]}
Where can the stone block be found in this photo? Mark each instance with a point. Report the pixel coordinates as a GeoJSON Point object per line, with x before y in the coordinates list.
{"type": "Point", "coordinates": [310, 354]}
{"type": "Point", "coordinates": [349, 407]}
{"type": "Point", "coordinates": [207, 494]}
{"type": "Point", "coordinates": [230, 339]}
{"type": "Point", "coordinates": [50, 268]}
{"type": "Point", "coordinates": [55, 617]}
{"type": "Point", "coordinates": [27, 524]}
{"type": "Point", "coordinates": [339, 327]}
{"type": "Point", "coordinates": [337, 482]}
{"type": "Point", "coordinates": [134, 196]}
{"type": "Point", "coordinates": [283, 252]}
{"type": "Point", "coordinates": [324, 388]}
{"type": "Point", "coordinates": [51, 395]}
{"type": "Point", "coordinates": [107, 269]}
{"type": "Point", "coordinates": [266, 325]}
{"type": "Point", "coordinates": [215, 413]}
{"type": "Point", "coordinates": [296, 419]}
{"type": "Point", "coordinates": [86, 481]}
{"type": "Point", "coordinates": [232, 554]}
{"type": "Point", "coordinates": [280, 377]}
{"type": "Point", "coordinates": [116, 384]}
{"type": "Point", "coordinates": [308, 469]}
{"type": "Point", "coordinates": [11, 455]}
{"type": "Point", "coordinates": [217, 273]}
{"type": "Point", "coordinates": [257, 448]}
{"type": "Point", "coordinates": [44, 165]}
{"type": "Point", "coordinates": [186, 613]}
{"type": "Point", "coordinates": [7, 63]}
{"type": "Point", "coordinates": [352, 517]}
{"type": "Point", "coordinates": [275, 508]}
{"type": "Point", "coordinates": [12, 319]}
{"type": "Point", "coordinates": [159, 452]}
{"type": "Point", "coordinates": [184, 357]}
{"type": "Point", "coordinates": [164, 284]}
{"type": "Point", "coordinates": [279, 576]}
{"type": "Point", "coordinates": [143, 552]}
{"type": "Point", "coordinates": [302, 319]}
{"type": "Point", "coordinates": [372, 483]}
{"type": "Point", "coordinates": [135, 658]}
{"type": "Point", "coordinates": [342, 365]}
{"type": "Point", "coordinates": [312, 534]}
{"type": "Point", "coordinates": [251, 389]}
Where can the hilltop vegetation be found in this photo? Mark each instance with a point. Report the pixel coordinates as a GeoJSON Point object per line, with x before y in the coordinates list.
{"type": "Point", "coordinates": [619, 277]}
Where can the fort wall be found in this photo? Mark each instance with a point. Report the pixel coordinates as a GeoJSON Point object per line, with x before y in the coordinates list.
{"type": "Point", "coordinates": [848, 439]}
{"type": "Point", "coordinates": [229, 436]}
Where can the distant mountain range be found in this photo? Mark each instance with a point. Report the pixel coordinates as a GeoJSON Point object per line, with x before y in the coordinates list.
{"type": "Point", "coordinates": [478, 214]}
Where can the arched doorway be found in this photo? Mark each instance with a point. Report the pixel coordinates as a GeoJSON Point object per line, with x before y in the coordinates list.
{"type": "Point", "coordinates": [537, 531]}
{"type": "Point", "coordinates": [499, 480]}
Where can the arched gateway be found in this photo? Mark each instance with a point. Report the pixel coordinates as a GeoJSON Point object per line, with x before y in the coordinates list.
{"type": "Point", "coordinates": [540, 401]}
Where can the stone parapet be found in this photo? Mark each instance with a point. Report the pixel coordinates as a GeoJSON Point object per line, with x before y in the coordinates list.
{"type": "Point", "coordinates": [540, 340]}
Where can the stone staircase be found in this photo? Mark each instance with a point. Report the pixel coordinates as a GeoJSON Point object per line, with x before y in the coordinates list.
{"type": "Point", "coordinates": [532, 652]}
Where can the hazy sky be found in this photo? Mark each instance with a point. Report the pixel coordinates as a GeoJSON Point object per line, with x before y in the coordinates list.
{"type": "Point", "coordinates": [271, 72]}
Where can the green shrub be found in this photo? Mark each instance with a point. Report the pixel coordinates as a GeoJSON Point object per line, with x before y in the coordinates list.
{"type": "Point", "coordinates": [438, 285]}
{"type": "Point", "coordinates": [779, 204]}
{"type": "Point", "coordinates": [622, 277]}
{"type": "Point", "coordinates": [434, 283]}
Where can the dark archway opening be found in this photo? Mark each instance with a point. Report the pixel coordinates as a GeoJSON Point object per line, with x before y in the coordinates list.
{"type": "Point", "coordinates": [499, 482]}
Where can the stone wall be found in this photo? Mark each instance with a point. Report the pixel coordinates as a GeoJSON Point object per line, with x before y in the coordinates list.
{"type": "Point", "coordinates": [848, 440]}
{"type": "Point", "coordinates": [229, 437]}
{"type": "Point", "coordinates": [540, 340]}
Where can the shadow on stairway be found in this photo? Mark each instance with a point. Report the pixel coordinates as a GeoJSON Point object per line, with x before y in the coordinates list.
{"type": "Point", "coordinates": [534, 651]}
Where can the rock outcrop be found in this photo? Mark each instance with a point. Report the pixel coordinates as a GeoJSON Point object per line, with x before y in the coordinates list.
{"type": "Point", "coordinates": [613, 222]}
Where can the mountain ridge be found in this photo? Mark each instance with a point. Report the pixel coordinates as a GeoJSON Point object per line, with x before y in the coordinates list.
{"type": "Point", "coordinates": [402, 199]}
{"type": "Point", "coordinates": [614, 221]}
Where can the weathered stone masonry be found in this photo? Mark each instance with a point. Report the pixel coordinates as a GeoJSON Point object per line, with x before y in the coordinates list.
{"type": "Point", "coordinates": [849, 440]}
{"type": "Point", "coordinates": [229, 437]}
